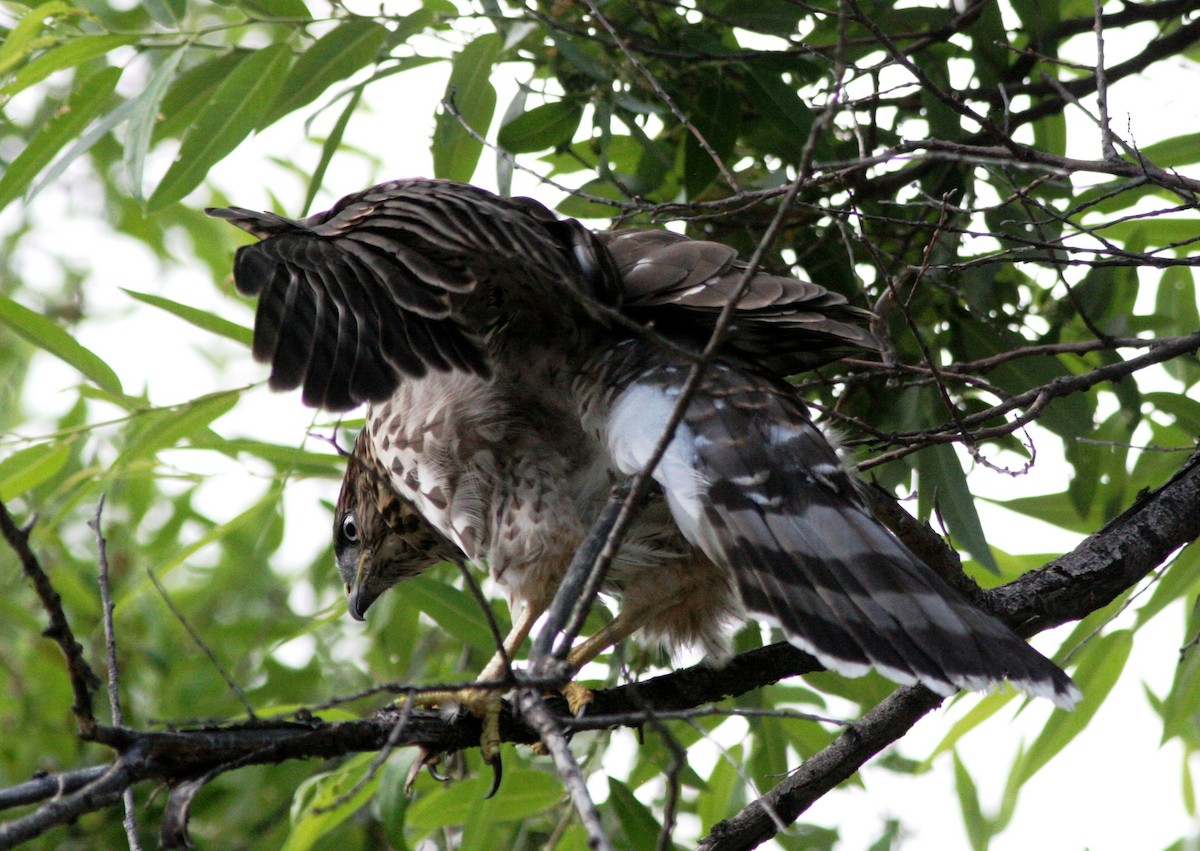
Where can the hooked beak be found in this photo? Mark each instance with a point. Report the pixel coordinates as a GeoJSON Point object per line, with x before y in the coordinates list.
{"type": "Point", "coordinates": [359, 596]}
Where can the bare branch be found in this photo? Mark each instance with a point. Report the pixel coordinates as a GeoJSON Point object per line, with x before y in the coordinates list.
{"type": "Point", "coordinates": [110, 646]}
{"type": "Point", "coordinates": [83, 679]}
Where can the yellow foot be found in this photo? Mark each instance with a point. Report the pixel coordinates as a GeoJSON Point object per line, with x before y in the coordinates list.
{"type": "Point", "coordinates": [484, 704]}
{"type": "Point", "coordinates": [578, 697]}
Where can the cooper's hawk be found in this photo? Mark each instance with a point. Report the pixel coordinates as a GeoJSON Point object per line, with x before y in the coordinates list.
{"type": "Point", "coordinates": [509, 383]}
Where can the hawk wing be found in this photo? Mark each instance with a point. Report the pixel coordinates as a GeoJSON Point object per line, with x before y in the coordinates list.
{"type": "Point", "coordinates": [411, 275]}
{"type": "Point", "coordinates": [682, 284]}
{"type": "Point", "coordinates": [396, 280]}
{"type": "Point", "coordinates": [753, 483]}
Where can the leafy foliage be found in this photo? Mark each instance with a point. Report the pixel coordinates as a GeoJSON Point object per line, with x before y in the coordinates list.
{"type": "Point", "coordinates": [1021, 261]}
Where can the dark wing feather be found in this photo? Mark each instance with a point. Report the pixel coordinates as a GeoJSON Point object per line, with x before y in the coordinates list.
{"type": "Point", "coordinates": [756, 486]}
{"type": "Point", "coordinates": [787, 324]}
{"type": "Point", "coordinates": [394, 280]}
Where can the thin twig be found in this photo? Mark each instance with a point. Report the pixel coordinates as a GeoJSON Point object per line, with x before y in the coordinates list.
{"type": "Point", "coordinates": [665, 98]}
{"type": "Point", "coordinates": [195, 636]}
{"type": "Point", "coordinates": [488, 615]}
{"type": "Point", "coordinates": [534, 711]}
{"type": "Point", "coordinates": [1106, 135]}
{"type": "Point", "coordinates": [110, 645]}
{"type": "Point", "coordinates": [1033, 401]}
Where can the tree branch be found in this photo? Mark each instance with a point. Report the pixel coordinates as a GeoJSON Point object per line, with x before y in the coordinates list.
{"type": "Point", "coordinates": [1072, 586]}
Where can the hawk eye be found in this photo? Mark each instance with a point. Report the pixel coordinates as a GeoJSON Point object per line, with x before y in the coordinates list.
{"type": "Point", "coordinates": [350, 528]}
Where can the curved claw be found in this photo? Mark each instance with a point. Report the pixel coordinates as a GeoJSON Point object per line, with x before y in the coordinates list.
{"type": "Point", "coordinates": [435, 773]}
{"type": "Point", "coordinates": [497, 775]}
{"type": "Point", "coordinates": [425, 759]}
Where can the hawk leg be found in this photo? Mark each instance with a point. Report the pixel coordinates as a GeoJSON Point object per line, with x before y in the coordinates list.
{"type": "Point", "coordinates": [483, 703]}
{"type": "Point", "coordinates": [616, 630]}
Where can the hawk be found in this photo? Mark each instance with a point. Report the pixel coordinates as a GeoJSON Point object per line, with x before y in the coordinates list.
{"type": "Point", "coordinates": [511, 376]}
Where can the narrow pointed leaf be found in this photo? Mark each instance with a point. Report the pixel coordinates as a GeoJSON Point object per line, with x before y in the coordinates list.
{"type": "Point", "coordinates": [69, 54]}
{"type": "Point", "coordinates": [143, 117]}
{"type": "Point", "coordinates": [334, 56]}
{"type": "Point", "coordinates": [99, 129]}
{"type": "Point", "coordinates": [455, 151]}
{"type": "Point", "coordinates": [86, 101]}
{"type": "Point", "coordinates": [23, 38]}
{"type": "Point", "coordinates": [170, 425]}
{"type": "Point", "coordinates": [200, 318]}
{"type": "Point", "coordinates": [231, 114]}
{"type": "Point", "coordinates": [332, 142]}
{"type": "Point", "coordinates": [47, 336]}
{"type": "Point", "coordinates": [30, 467]}
{"type": "Point", "coordinates": [941, 471]}
{"type": "Point", "coordinates": [545, 126]}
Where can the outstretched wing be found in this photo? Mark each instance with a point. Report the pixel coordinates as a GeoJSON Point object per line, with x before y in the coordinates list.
{"type": "Point", "coordinates": [756, 486]}
{"type": "Point", "coordinates": [786, 324]}
{"type": "Point", "coordinates": [401, 278]}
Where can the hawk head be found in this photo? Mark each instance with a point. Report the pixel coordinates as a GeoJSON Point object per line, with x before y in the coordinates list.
{"type": "Point", "coordinates": [379, 539]}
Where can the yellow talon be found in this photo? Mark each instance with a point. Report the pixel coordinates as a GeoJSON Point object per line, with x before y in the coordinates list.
{"type": "Point", "coordinates": [484, 704]}
{"type": "Point", "coordinates": [578, 697]}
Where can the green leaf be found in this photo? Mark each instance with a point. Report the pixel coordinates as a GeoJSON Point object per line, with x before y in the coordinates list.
{"type": "Point", "coordinates": [143, 118]}
{"type": "Point", "coordinates": [334, 56]}
{"type": "Point", "coordinates": [1068, 416]}
{"type": "Point", "coordinates": [27, 468]}
{"type": "Point", "coordinates": [87, 100]}
{"type": "Point", "coordinates": [320, 803]}
{"type": "Point", "coordinates": [978, 829]}
{"type": "Point", "coordinates": [786, 112]}
{"type": "Point", "coordinates": [641, 827]}
{"type": "Point", "coordinates": [279, 9]}
{"type": "Point", "coordinates": [192, 89]}
{"type": "Point", "coordinates": [524, 792]}
{"type": "Point", "coordinates": [200, 318]}
{"type": "Point", "coordinates": [1181, 705]}
{"type": "Point", "coordinates": [1176, 151]}
{"type": "Point", "coordinates": [944, 483]}
{"type": "Point", "coordinates": [253, 517]}
{"type": "Point", "coordinates": [454, 610]}
{"type": "Point", "coordinates": [547, 126]}
{"type": "Point", "coordinates": [165, 427]}
{"type": "Point", "coordinates": [455, 151]}
{"type": "Point", "coordinates": [1100, 664]}
{"type": "Point", "coordinates": [97, 131]}
{"type": "Point", "coordinates": [47, 336]}
{"type": "Point", "coordinates": [1176, 302]}
{"type": "Point", "coordinates": [1053, 508]}
{"type": "Point", "coordinates": [778, 17]}
{"type": "Point", "coordinates": [75, 51]}
{"type": "Point", "coordinates": [231, 114]}
{"type": "Point", "coordinates": [1180, 579]}
{"type": "Point", "coordinates": [717, 803]}
{"type": "Point", "coordinates": [987, 706]}
{"type": "Point", "coordinates": [169, 13]}
{"type": "Point", "coordinates": [717, 117]}
{"type": "Point", "coordinates": [585, 208]}
{"type": "Point", "coordinates": [332, 142]}
{"type": "Point", "coordinates": [288, 460]}
{"type": "Point", "coordinates": [23, 39]}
